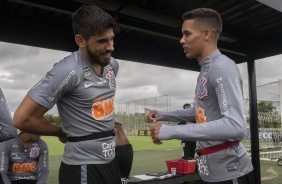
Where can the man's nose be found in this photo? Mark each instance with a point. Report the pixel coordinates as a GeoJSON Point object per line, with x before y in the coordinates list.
{"type": "Point", "coordinates": [110, 46]}
{"type": "Point", "coordinates": [182, 41]}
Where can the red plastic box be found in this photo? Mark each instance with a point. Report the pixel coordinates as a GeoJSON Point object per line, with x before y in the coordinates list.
{"type": "Point", "coordinates": [182, 166]}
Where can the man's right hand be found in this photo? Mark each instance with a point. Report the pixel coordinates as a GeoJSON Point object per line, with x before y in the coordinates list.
{"type": "Point", "coordinates": [150, 118]}
{"type": "Point", "coordinates": [62, 136]}
{"type": "Point", "coordinates": [63, 139]}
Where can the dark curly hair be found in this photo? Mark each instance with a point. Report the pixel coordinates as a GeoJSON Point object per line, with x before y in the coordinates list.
{"type": "Point", "coordinates": [91, 20]}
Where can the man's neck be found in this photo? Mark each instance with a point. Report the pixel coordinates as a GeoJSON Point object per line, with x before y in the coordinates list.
{"type": "Point", "coordinates": [25, 141]}
{"type": "Point", "coordinates": [207, 52]}
{"type": "Point", "coordinates": [96, 67]}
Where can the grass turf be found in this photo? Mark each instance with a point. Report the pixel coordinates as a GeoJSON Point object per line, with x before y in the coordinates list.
{"type": "Point", "coordinates": [149, 157]}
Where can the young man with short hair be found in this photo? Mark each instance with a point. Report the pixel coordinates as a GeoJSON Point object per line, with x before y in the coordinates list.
{"type": "Point", "coordinates": [218, 111]}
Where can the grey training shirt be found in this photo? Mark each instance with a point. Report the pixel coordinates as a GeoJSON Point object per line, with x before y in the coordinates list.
{"type": "Point", "coordinates": [85, 102]}
{"type": "Point", "coordinates": [7, 131]}
{"type": "Point", "coordinates": [219, 115]}
{"type": "Point", "coordinates": [18, 163]}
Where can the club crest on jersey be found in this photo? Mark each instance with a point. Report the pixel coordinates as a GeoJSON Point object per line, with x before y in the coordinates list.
{"type": "Point", "coordinates": [34, 152]}
{"type": "Point", "coordinates": [86, 71]}
{"type": "Point", "coordinates": [202, 90]}
{"type": "Point", "coordinates": [111, 76]}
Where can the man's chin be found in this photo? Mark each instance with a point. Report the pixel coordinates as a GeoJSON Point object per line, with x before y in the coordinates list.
{"type": "Point", "coordinates": [105, 62]}
{"type": "Point", "coordinates": [189, 56]}
{"type": "Point", "coordinates": [105, 59]}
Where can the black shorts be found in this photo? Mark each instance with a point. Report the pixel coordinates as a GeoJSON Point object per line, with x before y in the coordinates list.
{"type": "Point", "coordinates": [246, 179]}
{"type": "Point", "coordinates": [90, 173]}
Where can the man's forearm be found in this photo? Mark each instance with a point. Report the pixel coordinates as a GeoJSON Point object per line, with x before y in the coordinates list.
{"type": "Point", "coordinates": [178, 115]}
{"type": "Point", "coordinates": [40, 126]}
{"type": "Point", "coordinates": [43, 176]}
{"type": "Point", "coordinates": [5, 178]}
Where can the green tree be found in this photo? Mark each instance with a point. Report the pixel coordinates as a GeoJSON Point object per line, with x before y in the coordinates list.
{"type": "Point", "coordinates": [56, 120]}
{"type": "Point", "coordinates": [49, 117]}
{"type": "Point", "coordinates": [266, 106]}
{"type": "Point", "coordinates": [267, 115]}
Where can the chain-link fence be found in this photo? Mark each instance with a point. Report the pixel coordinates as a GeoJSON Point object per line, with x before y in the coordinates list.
{"type": "Point", "coordinates": [269, 120]}
{"type": "Point", "coordinates": [131, 114]}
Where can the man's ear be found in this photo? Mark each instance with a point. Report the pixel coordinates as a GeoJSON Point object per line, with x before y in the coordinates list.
{"type": "Point", "coordinates": [79, 40]}
{"type": "Point", "coordinates": [207, 34]}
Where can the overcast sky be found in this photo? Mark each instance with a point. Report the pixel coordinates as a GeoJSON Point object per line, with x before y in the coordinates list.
{"type": "Point", "coordinates": [22, 66]}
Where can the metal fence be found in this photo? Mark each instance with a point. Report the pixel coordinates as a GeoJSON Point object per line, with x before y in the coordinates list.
{"type": "Point", "coordinates": [131, 114]}
{"type": "Point", "coordinates": [269, 120]}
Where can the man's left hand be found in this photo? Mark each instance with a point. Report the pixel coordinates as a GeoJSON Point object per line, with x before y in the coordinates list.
{"type": "Point", "coordinates": [155, 130]}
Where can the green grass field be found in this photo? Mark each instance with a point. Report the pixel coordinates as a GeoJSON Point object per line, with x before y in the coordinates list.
{"type": "Point", "coordinates": [149, 157]}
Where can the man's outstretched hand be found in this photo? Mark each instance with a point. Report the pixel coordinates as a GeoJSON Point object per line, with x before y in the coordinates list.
{"type": "Point", "coordinates": [151, 117]}
{"type": "Point", "coordinates": [155, 130]}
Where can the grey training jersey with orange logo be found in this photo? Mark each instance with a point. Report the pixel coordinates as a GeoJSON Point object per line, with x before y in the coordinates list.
{"type": "Point", "coordinates": [19, 163]}
{"type": "Point", "coordinates": [219, 113]}
{"type": "Point", "coordinates": [85, 102]}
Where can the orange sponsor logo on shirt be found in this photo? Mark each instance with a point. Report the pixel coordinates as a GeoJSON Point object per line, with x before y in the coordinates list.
{"type": "Point", "coordinates": [103, 109]}
{"type": "Point", "coordinates": [200, 115]}
{"type": "Point", "coordinates": [25, 167]}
